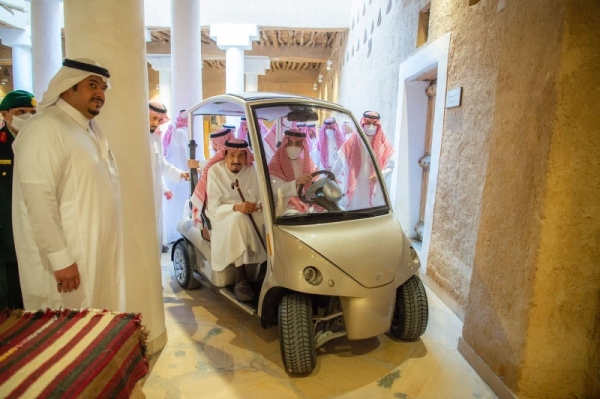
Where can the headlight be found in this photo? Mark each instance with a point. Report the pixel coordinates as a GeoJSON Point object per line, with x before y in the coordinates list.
{"type": "Point", "coordinates": [414, 258]}
{"type": "Point", "coordinates": [312, 275]}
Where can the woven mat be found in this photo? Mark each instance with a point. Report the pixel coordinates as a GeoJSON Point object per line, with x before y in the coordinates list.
{"type": "Point", "coordinates": [70, 354]}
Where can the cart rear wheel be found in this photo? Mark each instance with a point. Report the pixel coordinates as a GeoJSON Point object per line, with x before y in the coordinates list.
{"type": "Point", "coordinates": [296, 338]}
{"type": "Point", "coordinates": [411, 312]}
{"type": "Point", "coordinates": [183, 267]}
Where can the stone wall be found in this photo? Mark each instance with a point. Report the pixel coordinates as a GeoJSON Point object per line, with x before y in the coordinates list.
{"type": "Point", "coordinates": [516, 226]}
{"type": "Point", "coordinates": [562, 351]}
{"type": "Point", "coordinates": [504, 268]}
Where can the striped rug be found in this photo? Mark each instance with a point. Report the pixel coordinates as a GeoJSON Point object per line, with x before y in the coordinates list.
{"type": "Point", "coordinates": [70, 354]}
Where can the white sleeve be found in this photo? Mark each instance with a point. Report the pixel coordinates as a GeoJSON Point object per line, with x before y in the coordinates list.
{"type": "Point", "coordinates": [287, 189]}
{"type": "Point", "coordinates": [388, 168]}
{"type": "Point", "coordinates": [170, 171]}
{"type": "Point", "coordinates": [41, 161]}
{"type": "Point", "coordinates": [216, 208]}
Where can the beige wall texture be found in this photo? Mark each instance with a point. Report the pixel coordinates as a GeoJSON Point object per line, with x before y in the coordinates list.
{"type": "Point", "coordinates": [551, 325]}
{"type": "Point", "coordinates": [516, 227]}
{"type": "Point", "coordinates": [473, 64]}
{"type": "Point", "coordinates": [535, 285]}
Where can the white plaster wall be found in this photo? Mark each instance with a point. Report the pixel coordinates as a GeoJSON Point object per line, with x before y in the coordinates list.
{"type": "Point", "coordinates": [369, 81]}
{"type": "Point", "coordinates": [276, 13]}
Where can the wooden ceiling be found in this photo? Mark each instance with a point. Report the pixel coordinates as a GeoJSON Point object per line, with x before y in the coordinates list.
{"type": "Point", "coordinates": [289, 49]}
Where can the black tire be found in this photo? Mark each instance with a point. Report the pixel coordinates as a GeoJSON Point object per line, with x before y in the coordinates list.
{"type": "Point", "coordinates": [296, 340]}
{"type": "Point", "coordinates": [411, 311]}
{"type": "Point", "coordinates": [183, 267]}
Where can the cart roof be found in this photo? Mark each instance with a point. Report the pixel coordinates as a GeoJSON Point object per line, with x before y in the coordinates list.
{"type": "Point", "coordinates": [235, 104]}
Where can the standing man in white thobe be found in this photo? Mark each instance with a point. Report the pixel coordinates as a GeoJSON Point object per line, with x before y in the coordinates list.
{"type": "Point", "coordinates": [175, 150]}
{"type": "Point", "coordinates": [331, 139]}
{"type": "Point", "coordinates": [234, 239]}
{"type": "Point", "coordinates": [66, 208]}
{"type": "Point", "coordinates": [354, 170]}
{"type": "Point", "coordinates": [160, 167]}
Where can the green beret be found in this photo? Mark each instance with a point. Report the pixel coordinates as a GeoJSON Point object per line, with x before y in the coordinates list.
{"type": "Point", "coordinates": [18, 99]}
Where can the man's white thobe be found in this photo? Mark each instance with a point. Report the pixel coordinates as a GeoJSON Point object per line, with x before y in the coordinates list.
{"type": "Point", "coordinates": [67, 210]}
{"type": "Point", "coordinates": [160, 169]}
{"type": "Point", "coordinates": [362, 197]}
{"type": "Point", "coordinates": [332, 152]}
{"type": "Point", "coordinates": [173, 210]}
{"type": "Point", "coordinates": [286, 190]}
{"type": "Point", "coordinates": [233, 238]}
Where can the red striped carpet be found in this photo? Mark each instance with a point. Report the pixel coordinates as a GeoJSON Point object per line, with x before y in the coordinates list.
{"type": "Point", "coordinates": [70, 354]}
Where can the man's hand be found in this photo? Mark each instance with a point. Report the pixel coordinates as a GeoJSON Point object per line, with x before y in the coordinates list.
{"type": "Point", "coordinates": [193, 164]}
{"type": "Point", "coordinates": [67, 279]}
{"type": "Point", "coordinates": [246, 207]}
{"type": "Point", "coordinates": [168, 194]}
{"type": "Point", "coordinates": [185, 176]}
{"type": "Point", "coordinates": [304, 179]}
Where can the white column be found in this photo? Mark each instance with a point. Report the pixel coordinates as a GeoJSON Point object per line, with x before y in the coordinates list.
{"type": "Point", "coordinates": [234, 39]}
{"type": "Point", "coordinates": [164, 90]}
{"type": "Point", "coordinates": [254, 66]}
{"type": "Point", "coordinates": [186, 78]}
{"type": "Point", "coordinates": [234, 69]}
{"type": "Point", "coordinates": [162, 64]}
{"type": "Point", "coordinates": [20, 41]}
{"type": "Point", "coordinates": [22, 68]}
{"type": "Point", "coordinates": [124, 118]}
{"type": "Point", "coordinates": [46, 43]}
{"type": "Point", "coordinates": [251, 81]}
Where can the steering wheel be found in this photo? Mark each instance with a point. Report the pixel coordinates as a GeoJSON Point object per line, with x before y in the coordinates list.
{"type": "Point", "coordinates": [301, 196]}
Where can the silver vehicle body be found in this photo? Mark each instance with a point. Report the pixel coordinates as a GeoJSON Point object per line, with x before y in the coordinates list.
{"type": "Point", "coordinates": [361, 261]}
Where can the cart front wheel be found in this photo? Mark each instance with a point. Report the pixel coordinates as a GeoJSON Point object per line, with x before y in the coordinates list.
{"type": "Point", "coordinates": [296, 338]}
{"type": "Point", "coordinates": [411, 312]}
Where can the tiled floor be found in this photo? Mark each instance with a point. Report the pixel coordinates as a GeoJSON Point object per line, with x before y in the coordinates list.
{"type": "Point", "coordinates": [216, 350]}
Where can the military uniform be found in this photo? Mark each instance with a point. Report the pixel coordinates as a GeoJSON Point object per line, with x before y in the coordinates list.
{"type": "Point", "coordinates": [10, 288]}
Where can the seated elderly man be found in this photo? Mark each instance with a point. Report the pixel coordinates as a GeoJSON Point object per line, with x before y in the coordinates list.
{"type": "Point", "coordinates": [290, 167]}
{"type": "Point", "coordinates": [234, 238]}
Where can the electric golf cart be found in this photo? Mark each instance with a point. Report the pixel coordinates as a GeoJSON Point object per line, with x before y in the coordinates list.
{"type": "Point", "coordinates": [336, 269]}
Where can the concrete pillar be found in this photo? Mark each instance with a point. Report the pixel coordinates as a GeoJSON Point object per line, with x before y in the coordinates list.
{"type": "Point", "coordinates": [46, 46]}
{"type": "Point", "coordinates": [22, 68]}
{"type": "Point", "coordinates": [20, 41]}
{"type": "Point", "coordinates": [186, 78]}
{"type": "Point", "coordinates": [162, 64]}
{"type": "Point", "coordinates": [251, 81]}
{"type": "Point", "coordinates": [234, 69]}
{"type": "Point", "coordinates": [254, 66]}
{"type": "Point", "coordinates": [124, 118]}
{"type": "Point", "coordinates": [234, 39]}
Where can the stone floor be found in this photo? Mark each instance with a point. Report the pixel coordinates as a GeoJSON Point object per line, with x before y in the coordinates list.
{"type": "Point", "coordinates": [216, 350]}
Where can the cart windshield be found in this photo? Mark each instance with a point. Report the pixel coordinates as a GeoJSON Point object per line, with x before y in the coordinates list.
{"type": "Point", "coordinates": [319, 166]}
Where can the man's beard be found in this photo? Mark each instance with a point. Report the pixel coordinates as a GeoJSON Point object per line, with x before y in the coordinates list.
{"type": "Point", "coordinates": [94, 112]}
{"type": "Point", "coordinates": [152, 129]}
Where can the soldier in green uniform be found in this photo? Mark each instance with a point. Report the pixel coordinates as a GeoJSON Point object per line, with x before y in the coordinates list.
{"type": "Point", "coordinates": [16, 108]}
